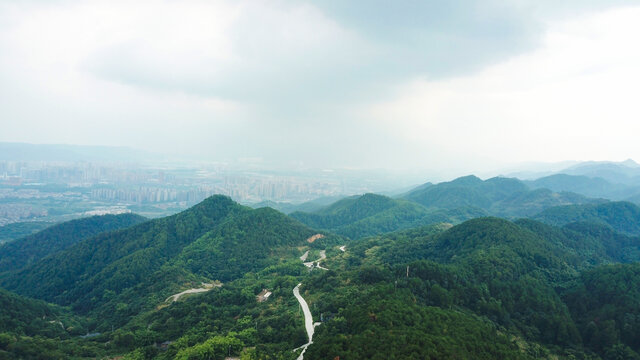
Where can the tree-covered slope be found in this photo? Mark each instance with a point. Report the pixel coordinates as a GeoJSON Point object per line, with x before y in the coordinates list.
{"type": "Point", "coordinates": [486, 288]}
{"type": "Point", "coordinates": [118, 274]}
{"type": "Point", "coordinates": [605, 303]}
{"type": "Point", "coordinates": [32, 248]}
{"type": "Point", "coordinates": [621, 216]}
{"type": "Point", "coordinates": [19, 230]}
{"type": "Point", "coordinates": [513, 274]}
{"type": "Point", "coordinates": [584, 185]}
{"type": "Point", "coordinates": [499, 196]}
{"type": "Point", "coordinates": [372, 214]}
{"type": "Point", "coordinates": [33, 329]}
{"type": "Point", "coordinates": [346, 211]}
{"type": "Point", "coordinates": [24, 316]}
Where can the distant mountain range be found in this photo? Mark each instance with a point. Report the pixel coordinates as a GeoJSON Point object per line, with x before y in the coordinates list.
{"type": "Point", "coordinates": [609, 180]}
{"type": "Point", "coordinates": [451, 202]}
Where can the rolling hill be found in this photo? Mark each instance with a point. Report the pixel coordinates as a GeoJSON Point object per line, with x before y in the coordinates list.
{"type": "Point", "coordinates": [505, 197]}
{"type": "Point", "coordinates": [27, 250]}
{"type": "Point", "coordinates": [141, 265]}
{"type": "Point", "coordinates": [19, 230]}
{"type": "Point", "coordinates": [372, 214]}
{"type": "Point", "coordinates": [485, 288]}
{"type": "Point", "coordinates": [623, 217]}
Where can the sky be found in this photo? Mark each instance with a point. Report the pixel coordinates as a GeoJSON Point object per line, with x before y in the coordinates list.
{"type": "Point", "coordinates": [456, 86]}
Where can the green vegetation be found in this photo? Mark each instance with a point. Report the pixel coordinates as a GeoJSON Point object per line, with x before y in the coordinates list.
{"type": "Point", "coordinates": [115, 275]}
{"type": "Point", "coordinates": [605, 303]}
{"type": "Point", "coordinates": [22, 252]}
{"type": "Point", "coordinates": [497, 196]}
{"type": "Point", "coordinates": [18, 230]}
{"type": "Point", "coordinates": [370, 214]}
{"type": "Point", "coordinates": [30, 317]}
{"type": "Point", "coordinates": [621, 216]}
{"type": "Point", "coordinates": [34, 329]}
{"type": "Point", "coordinates": [486, 288]}
{"type": "Point", "coordinates": [584, 185]}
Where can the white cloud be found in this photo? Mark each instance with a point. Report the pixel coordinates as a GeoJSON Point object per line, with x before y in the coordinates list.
{"type": "Point", "coordinates": [575, 97]}
{"type": "Point", "coordinates": [279, 79]}
{"type": "Point", "coordinates": [173, 71]}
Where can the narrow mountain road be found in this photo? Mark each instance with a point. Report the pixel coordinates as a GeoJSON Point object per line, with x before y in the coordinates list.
{"type": "Point", "coordinates": [206, 288]}
{"type": "Point", "coordinates": [308, 321]}
{"type": "Point", "coordinates": [316, 263]}
{"type": "Point", "coordinates": [323, 256]}
{"type": "Point", "coordinates": [304, 256]}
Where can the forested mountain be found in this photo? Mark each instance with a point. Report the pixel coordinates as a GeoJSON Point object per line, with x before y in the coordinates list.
{"type": "Point", "coordinates": [605, 303]}
{"type": "Point", "coordinates": [372, 214]}
{"type": "Point", "coordinates": [19, 230]}
{"type": "Point", "coordinates": [484, 289]}
{"type": "Point", "coordinates": [117, 274]}
{"type": "Point", "coordinates": [307, 206]}
{"type": "Point", "coordinates": [499, 196]}
{"type": "Point", "coordinates": [625, 172]}
{"type": "Point", "coordinates": [511, 275]}
{"type": "Point", "coordinates": [588, 186]}
{"type": "Point", "coordinates": [24, 316]}
{"type": "Point", "coordinates": [31, 329]}
{"type": "Point", "coordinates": [621, 216]}
{"type": "Point", "coordinates": [32, 248]}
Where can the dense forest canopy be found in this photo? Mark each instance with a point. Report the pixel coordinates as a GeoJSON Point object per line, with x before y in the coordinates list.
{"type": "Point", "coordinates": [485, 288]}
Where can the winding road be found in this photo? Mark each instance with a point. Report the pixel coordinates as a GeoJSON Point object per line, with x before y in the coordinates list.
{"type": "Point", "coordinates": [308, 321]}
{"type": "Point", "coordinates": [310, 264]}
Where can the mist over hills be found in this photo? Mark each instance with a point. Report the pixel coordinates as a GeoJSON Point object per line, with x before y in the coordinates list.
{"type": "Point", "coordinates": [604, 179]}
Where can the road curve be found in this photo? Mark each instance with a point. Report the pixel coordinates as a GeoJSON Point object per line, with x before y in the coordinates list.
{"type": "Point", "coordinates": [308, 320]}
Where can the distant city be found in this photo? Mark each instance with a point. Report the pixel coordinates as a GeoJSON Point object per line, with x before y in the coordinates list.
{"type": "Point", "coordinates": [61, 190]}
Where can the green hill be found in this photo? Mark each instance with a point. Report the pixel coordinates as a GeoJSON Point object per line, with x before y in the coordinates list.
{"type": "Point", "coordinates": [486, 288]}
{"type": "Point", "coordinates": [23, 316]}
{"type": "Point", "coordinates": [19, 230]}
{"type": "Point", "coordinates": [605, 303]}
{"type": "Point", "coordinates": [584, 185]}
{"type": "Point", "coordinates": [33, 329]}
{"type": "Point", "coordinates": [372, 214]}
{"type": "Point", "coordinates": [499, 196]}
{"type": "Point", "coordinates": [32, 248]}
{"type": "Point", "coordinates": [621, 216]}
{"type": "Point", "coordinates": [511, 273]}
{"type": "Point", "coordinates": [118, 274]}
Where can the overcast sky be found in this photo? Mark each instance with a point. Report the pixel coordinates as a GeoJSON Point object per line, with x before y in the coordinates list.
{"type": "Point", "coordinates": [463, 85]}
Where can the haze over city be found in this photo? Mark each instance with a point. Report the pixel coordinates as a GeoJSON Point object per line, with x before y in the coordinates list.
{"type": "Point", "coordinates": [454, 87]}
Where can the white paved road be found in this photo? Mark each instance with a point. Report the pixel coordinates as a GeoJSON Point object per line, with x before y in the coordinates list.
{"type": "Point", "coordinates": [308, 320]}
